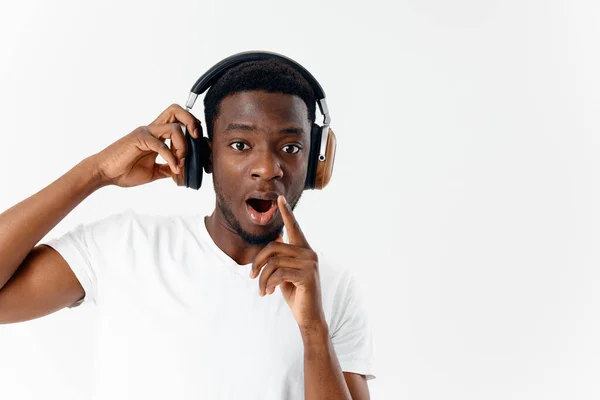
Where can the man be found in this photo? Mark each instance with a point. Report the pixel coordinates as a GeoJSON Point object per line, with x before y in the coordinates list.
{"type": "Point", "coordinates": [215, 307]}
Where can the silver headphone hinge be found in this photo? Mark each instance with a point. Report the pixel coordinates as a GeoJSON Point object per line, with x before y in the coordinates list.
{"type": "Point", "coordinates": [324, 111]}
{"type": "Point", "coordinates": [191, 100]}
{"type": "Point", "coordinates": [324, 129]}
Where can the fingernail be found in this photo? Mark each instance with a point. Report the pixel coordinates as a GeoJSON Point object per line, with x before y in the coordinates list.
{"type": "Point", "coordinates": [283, 199]}
{"type": "Point", "coordinates": [260, 292]}
{"type": "Point", "coordinates": [196, 133]}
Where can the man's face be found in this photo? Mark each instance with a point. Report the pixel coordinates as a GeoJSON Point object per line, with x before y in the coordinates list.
{"type": "Point", "coordinates": [260, 148]}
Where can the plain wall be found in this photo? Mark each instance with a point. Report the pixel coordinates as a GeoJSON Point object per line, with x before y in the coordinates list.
{"type": "Point", "coordinates": [465, 190]}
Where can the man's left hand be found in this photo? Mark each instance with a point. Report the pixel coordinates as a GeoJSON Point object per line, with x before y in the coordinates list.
{"type": "Point", "coordinates": [294, 267]}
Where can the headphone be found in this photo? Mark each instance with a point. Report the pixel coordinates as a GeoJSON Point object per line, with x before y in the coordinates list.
{"type": "Point", "coordinates": [322, 138]}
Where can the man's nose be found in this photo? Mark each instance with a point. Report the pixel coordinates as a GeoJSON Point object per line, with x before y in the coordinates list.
{"type": "Point", "coordinates": [266, 166]}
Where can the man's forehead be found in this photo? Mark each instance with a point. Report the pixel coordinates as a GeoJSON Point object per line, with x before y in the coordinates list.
{"type": "Point", "coordinates": [260, 104]}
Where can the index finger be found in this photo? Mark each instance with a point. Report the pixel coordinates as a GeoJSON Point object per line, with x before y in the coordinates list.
{"type": "Point", "coordinates": [174, 113]}
{"type": "Point", "coordinates": [295, 234]}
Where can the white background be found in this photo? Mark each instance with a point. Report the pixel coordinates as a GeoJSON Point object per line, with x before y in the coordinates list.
{"type": "Point", "coordinates": [465, 192]}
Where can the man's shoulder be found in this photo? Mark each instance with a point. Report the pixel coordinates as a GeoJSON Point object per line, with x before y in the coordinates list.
{"type": "Point", "coordinates": [130, 222]}
{"type": "Point", "coordinates": [333, 274]}
{"type": "Point", "coordinates": [130, 215]}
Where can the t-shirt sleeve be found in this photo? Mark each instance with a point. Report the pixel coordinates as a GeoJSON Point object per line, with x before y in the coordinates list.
{"type": "Point", "coordinates": [352, 335]}
{"type": "Point", "coordinates": [82, 247]}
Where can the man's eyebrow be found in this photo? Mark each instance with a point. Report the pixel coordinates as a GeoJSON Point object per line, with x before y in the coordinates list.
{"type": "Point", "coordinates": [295, 131]}
{"type": "Point", "coordinates": [250, 128]}
{"type": "Point", "coordinates": [240, 127]}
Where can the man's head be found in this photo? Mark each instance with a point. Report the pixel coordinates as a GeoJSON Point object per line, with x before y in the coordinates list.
{"type": "Point", "coordinates": [259, 116]}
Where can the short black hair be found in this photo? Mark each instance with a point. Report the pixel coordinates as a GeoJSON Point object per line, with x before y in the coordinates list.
{"type": "Point", "coordinates": [272, 76]}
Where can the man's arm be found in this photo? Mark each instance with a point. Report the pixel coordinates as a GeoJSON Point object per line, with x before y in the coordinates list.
{"type": "Point", "coordinates": [323, 376]}
{"type": "Point", "coordinates": [36, 281]}
{"type": "Point", "coordinates": [24, 225]}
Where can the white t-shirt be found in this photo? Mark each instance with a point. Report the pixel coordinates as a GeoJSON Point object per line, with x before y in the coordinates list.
{"type": "Point", "coordinates": [179, 319]}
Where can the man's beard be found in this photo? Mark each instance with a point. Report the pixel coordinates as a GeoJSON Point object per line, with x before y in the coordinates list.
{"type": "Point", "coordinates": [249, 238]}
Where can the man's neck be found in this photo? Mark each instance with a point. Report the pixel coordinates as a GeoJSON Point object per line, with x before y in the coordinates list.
{"type": "Point", "coordinates": [227, 239]}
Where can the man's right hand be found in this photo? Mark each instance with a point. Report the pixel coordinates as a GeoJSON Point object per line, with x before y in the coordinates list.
{"type": "Point", "coordinates": [131, 160]}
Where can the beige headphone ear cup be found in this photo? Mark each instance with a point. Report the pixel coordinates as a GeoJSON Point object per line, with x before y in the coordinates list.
{"type": "Point", "coordinates": [325, 168]}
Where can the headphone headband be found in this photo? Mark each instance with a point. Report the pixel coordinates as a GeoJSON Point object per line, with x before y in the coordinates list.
{"type": "Point", "coordinates": [210, 76]}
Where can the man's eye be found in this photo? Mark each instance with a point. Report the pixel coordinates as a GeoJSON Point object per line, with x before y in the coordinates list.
{"type": "Point", "coordinates": [291, 148]}
{"type": "Point", "coordinates": [240, 146]}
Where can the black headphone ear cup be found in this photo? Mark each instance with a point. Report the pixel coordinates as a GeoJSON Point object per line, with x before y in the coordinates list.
{"type": "Point", "coordinates": [193, 160]}
{"type": "Point", "coordinates": [313, 156]}
{"type": "Point", "coordinates": [205, 155]}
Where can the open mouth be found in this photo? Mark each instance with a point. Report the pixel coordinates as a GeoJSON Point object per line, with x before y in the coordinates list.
{"type": "Point", "coordinates": [261, 206]}
{"type": "Point", "coordinates": [261, 211]}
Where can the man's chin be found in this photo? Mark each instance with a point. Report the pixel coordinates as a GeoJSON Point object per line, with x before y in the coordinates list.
{"type": "Point", "coordinates": [256, 239]}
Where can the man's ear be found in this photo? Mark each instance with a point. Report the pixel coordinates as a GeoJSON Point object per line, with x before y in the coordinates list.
{"type": "Point", "coordinates": [207, 161]}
